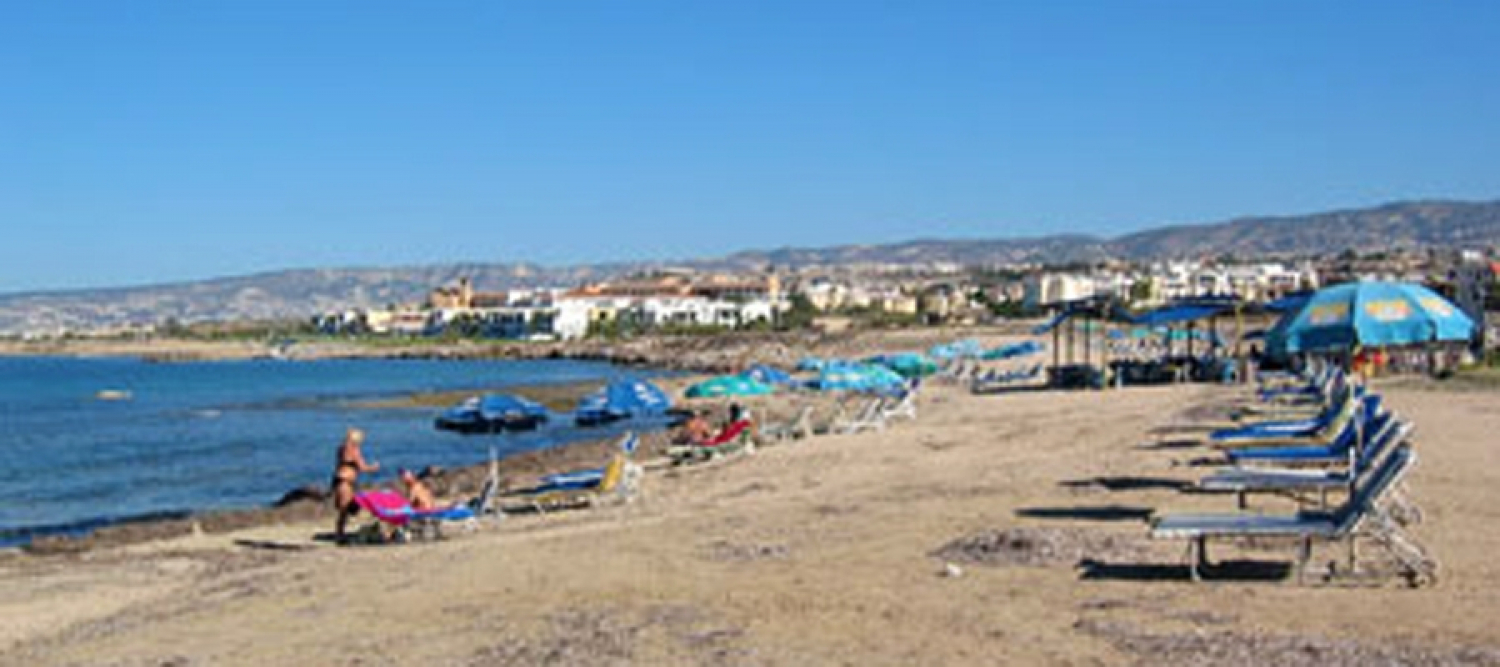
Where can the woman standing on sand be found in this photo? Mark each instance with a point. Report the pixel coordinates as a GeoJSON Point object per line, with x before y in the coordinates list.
{"type": "Point", "coordinates": [349, 464]}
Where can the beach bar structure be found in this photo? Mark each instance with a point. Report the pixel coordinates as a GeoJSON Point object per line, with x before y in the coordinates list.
{"type": "Point", "coordinates": [1193, 324]}
{"type": "Point", "coordinates": [1070, 370]}
{"type": "Point", "coordinates": [1181, 320]}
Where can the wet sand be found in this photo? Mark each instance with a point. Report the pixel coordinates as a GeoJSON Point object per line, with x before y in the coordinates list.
{"type": "Point", "coordinates": [831, 550]}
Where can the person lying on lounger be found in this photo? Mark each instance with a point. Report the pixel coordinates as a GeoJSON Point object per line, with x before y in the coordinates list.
{"type": "Point", "coordinates": [695, 430]}
{"type": "Point", "coordinates": [417, 493]}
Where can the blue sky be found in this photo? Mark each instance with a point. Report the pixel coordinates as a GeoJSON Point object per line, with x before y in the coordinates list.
{"type": "Point", "coordinates": [156, 141]}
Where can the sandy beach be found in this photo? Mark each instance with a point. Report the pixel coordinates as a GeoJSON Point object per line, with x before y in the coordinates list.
{"type": "Point", "coordinates": [830, 550]}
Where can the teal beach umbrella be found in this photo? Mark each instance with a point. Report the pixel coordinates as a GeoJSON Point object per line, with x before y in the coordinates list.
{"type": "Point", "coordinates": [909, 365]}
{"type": "Point", "coordinates": [729, 385]}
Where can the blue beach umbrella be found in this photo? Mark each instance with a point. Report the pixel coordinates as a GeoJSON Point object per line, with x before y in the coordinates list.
{"type": "Point", "coordinates": [1369, 314]}
{"type": "Point", "coordinates": [505, 406]}
{"type": "Point", "coordinates": [967, 348]}
{"type": "Point", "coordinates": [813, 364]}
{"type": "Point", "coordinates": [1013, 350]}
{"type": "Point", "coordinates": [621, 400]}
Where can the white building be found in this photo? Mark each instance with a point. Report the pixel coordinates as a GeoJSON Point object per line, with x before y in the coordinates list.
{"type": "Point", "coordinates": [1048, 289]}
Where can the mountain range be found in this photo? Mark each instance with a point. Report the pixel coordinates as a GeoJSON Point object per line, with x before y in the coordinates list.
{"type": "Point", "coordinates": [305, 292]}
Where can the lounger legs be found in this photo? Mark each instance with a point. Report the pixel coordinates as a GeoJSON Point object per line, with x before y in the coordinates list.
{"type": "Point", "coordinates": [1304, 556]}
{"type": "Point", "coordinates": [1197, 557]}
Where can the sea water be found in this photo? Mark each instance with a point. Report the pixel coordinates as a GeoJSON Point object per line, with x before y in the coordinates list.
{"type": "Point", "coordinates": [88, 442]}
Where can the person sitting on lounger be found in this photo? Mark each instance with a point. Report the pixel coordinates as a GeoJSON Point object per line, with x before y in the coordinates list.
{"type": "Point", "coordinates": [417, 493]}
{"type": "Point", "coordinates": [347, 468]}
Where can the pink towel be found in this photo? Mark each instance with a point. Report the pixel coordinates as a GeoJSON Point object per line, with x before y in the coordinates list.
{"type": "Point", "coordinates": [388, 506]}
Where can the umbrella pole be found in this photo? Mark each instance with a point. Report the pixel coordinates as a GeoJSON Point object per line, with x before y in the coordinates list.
{"type": "Point", "coordinates": [1056, 349]}
{"type": "Point", "coordinates": [1088, 338]}
{"type": "Point", "coordinates": [1072, 326]}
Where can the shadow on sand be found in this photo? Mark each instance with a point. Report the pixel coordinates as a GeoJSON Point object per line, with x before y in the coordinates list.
{"type": "Point", "coordinates": [273, 545]}
{"type": "Point", "coordinates": [1170, 444]}
{"type": "Point", "coordinates": [1101, 513]}
{"type": "Point", "coordinates": [1009, 389]}
{"type": "Point", "coordinates": [1229, 570]}
{"type": "Point", "coordinates": [1127, 484]}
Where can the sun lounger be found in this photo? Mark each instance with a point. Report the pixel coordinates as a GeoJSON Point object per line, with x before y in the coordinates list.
{"type": "Point", "coordinates": [1363, 514]}
{"type": "Point", "coordinates": [1319, 430]}
{"type": "Point", "coordinates": [1310, 402]}
{"type": "Point", "coordinates": [620, 482]}
{"type": "Point", "coordinates": [627, 445]}
{"type": "Point", "coordinates": [483, 504]}
{"type": "Point", "coordinates": [1300, 481]}
{"type": "Point", "coordinates": [734, 439]}
{"type": "Point", "coordinates": [1318, 387]}
{"type": "Point", "coordinates": [869, 418]}
{"type": "Point", "coordinates": [1338, 451]}
{"type": "Point", "coordinates": [1315, 373]}
{"type": "Point", "coordinates": [392, 509]}
{"type": "Point", "coordinates": [797, 428]}
{"type": "Point", "coordinates": [900, 407]}
{"type": "Point", "coordinates": [998, 380]}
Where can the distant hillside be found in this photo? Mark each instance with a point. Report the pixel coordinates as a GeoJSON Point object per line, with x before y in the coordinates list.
{"type": "Point", "coordinates": [1403, 225]}
{"type": "Point", "coordinates": [302, 293]}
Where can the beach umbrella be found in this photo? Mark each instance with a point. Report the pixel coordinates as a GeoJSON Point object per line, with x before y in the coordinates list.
{"type": "Point", "coordinates": [1369, 314]}
{"type": "Point", "coordinates": [858, 377]}
{"type": "Point", "coordinates": [623, 399]}
{"type": "Point", "coordinates": [967, 348]}
{"type": "Point", "coordinates": [729, 385]}
{"type": "Point", "coordinates": [908, 365]}
{"type": "Point", "coordinates": [768, 375]}
{"type": "Point", "coordinates": [1013, 350]}
{"type": "Point", "coordinates": [811, 364]}
{"type": "Point", "coordinates": [505, 406]}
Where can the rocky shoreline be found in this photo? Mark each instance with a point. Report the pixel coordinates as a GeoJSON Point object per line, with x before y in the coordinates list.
{"type": "Point", "coordinates": [715, 353]}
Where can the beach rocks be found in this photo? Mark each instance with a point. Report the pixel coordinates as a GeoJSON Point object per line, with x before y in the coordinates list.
{"type": "Point", "coordinates": [306, 494]}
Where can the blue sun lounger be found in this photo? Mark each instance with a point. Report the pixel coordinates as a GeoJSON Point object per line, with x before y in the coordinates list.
{"type": "Point", "coordinates": [591, 476]}
{"type": "Point", "coordinates": [1301, 400]}
{"type": "Point", "coordinates": [1318, 386]}
{"type": "Point", "coordinates": [1362, 515]}
{"type": "Point", "coordinates": [1296, 481]}
{"type": "Point", "coordinates": [1339, 450]}
{"type": "Point", "coordinates": [1322, 429]}
{"type": "Point", "coordinates": [620, 482]}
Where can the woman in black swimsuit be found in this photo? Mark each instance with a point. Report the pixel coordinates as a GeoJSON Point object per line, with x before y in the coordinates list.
{"type": "Point", "coordinates": [349, 464]}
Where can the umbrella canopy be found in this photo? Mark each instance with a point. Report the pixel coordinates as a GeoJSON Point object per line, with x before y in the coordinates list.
{"type": "Point", "coordinates": [858, 377]}
{"type": "Point", "coordinates": [768, 375]}
{"type": "Point", "coordinates": [967, 348]}
{"type": "Point", "coordinates": [729, 385]}
{"type": "Point", "coordinates": [628, 398]}
{"type": "Point", "coordinates": [1370, 314]}
{"type": "Point", "coordinates": [813, 364]}
{"type": "Point", "coordinates": [908, 365]}
{"type": "Point", "coordinates": [506, 406]}
{"type": "Point", "coordinates": [1013, 350]}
